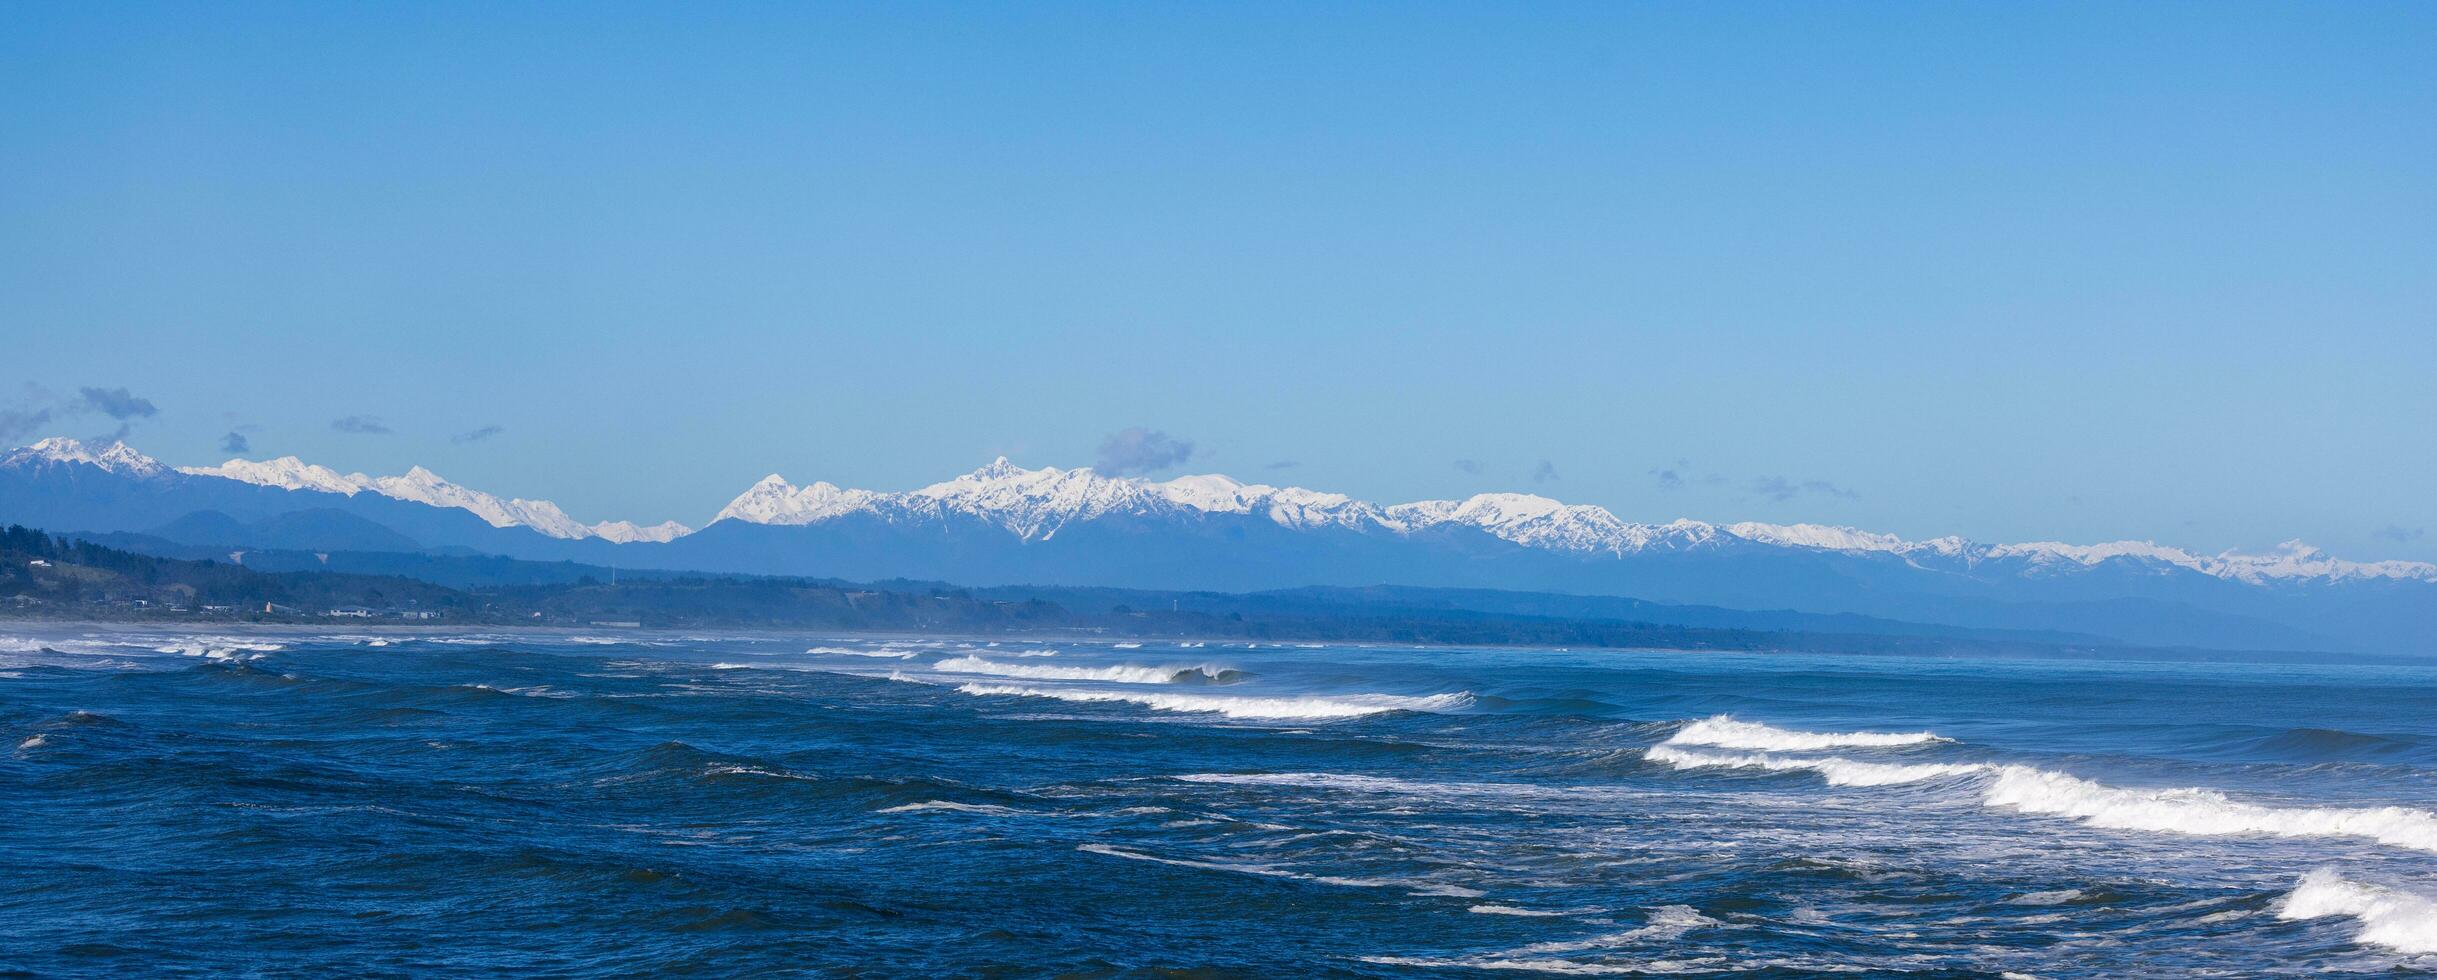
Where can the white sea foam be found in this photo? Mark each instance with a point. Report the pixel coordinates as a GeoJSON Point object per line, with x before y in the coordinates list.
{"type": "Point", "coordinates": [2389, 917]}
{"type": "Point", "coordinates": [1446, 891]}
{"type": "Point", "coordinates": [852, 652]}
{"type": "Point", "coordinates": [1387, 785]}
{"type": "Point", "coordinates": [2203, 812]}
{"type": "Point", "coordinates": [1723, 731]}
{"type": "Point", "coordinates": [1340, 706]}
{"type": "Point", "coordinates": [1511, 910]}
{"type": "Point", "coordinates": [219, 648]}
{"type": "Point", "coordinates": [1127, 646]}
{"type": "Point", "coordinates": [1557, 966]}
{"type": "Point", "coordinates": [1666, 924]}
{"type": "Point", "coordinates": [758, 771]}
{"type": "Point", "coordinates": [951, 805]}
{"type": "Point", "coordinates": [1264, 870]}
{"type": "Point", "coordinates": [1120, 674]}
{"type": "Point", "coordinates": [1838, 770]}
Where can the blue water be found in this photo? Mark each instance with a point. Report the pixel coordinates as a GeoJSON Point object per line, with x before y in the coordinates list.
{"type": "Point", "coordinates": [309, 803]}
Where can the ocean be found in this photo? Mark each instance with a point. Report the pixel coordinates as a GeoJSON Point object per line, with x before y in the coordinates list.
{"type": "Point", "coordinates": [287, 802]}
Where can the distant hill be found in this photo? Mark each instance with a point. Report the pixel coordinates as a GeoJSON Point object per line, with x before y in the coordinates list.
{"type": "Point", "coordinates": [55, 577]}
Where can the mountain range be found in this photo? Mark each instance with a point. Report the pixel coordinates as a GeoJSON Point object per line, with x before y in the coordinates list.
{"type": "Point", "coordinates": [1004, 524]}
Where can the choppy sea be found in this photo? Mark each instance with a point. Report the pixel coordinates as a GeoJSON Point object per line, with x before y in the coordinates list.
{"type": "Point", "coordinates": [313, 803]}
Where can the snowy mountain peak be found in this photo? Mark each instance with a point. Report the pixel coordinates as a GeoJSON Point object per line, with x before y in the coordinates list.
{"type": "Point", "coordinates": [776, 501]}
{"type": "Point", "coordinates": [286, 472]}
{"type": "Point", "coordinates": [116, 458]}
{"type": "Point", "coordinates": [999, 469]}
{"type": "Point", "coordinates": [627, 532]}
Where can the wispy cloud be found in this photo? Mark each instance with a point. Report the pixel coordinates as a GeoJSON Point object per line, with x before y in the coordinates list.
{"type": "Point", "coordinates": [2401, 535]}
{"type": "Point", "coordinates": [1780, 489]}
{"type": "Point", "coordinates": [235, 442]}
{"type": "Point", "coordinates": [1137, 450]}
{"type": "Point", "coordinates": [1671, 477]}
{"type": "Point", "coordinates": [477, 435]}
{"type": "Point", "coordinates": [1472, 466]}
{"type": "Point", "coordinates": [39, 407]}
{"type": "Point", "coordinates": [1544, 473]}
{"type": "Point", "coordinates": [17, 422]}
{"type": "Point", "coordinates": [118, 403]}
{"type": "Point", "coordinates": [361, 425]}
{"type": "Point", "coordinates": [1284, 464]}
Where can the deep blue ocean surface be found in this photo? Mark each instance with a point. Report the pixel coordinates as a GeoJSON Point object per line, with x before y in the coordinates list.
{"type": "Point", "coordinates": [289, 802]}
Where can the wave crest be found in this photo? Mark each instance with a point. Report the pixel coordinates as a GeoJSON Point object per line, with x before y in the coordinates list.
{"type": "Point", "coordinates": [1839, 771]}
{"type": "Point", "coordinates": [2192, 811]}
{"type": "Point", "coordinates": [1340, 706]}
{"type": "Point", "coordinates": [2398, 920]}
{"type": "Point", "coordinates": [883, 654]}
{"type": "Point", "coordinates": [1120, 674]}
{"type": "Point", "coordinates": [1725, 732]}
{"type": "Point", "coordinates": [2202, 812]}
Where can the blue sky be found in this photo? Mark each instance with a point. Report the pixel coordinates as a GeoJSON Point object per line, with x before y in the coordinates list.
{"type": "Point", "coordinates": [2070, 271]}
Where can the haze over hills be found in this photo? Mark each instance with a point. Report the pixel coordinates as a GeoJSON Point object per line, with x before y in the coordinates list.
{"type": "Point", "coordinates": [1003, 524]}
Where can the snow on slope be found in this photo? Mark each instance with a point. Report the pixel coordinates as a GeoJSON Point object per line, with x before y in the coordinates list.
{"type": "Point", "coordinates": [1034, 504]}
{"type": "Point", "coordinates": [118, 458]}
{"type": "Point", "coordinates": [426, 487]}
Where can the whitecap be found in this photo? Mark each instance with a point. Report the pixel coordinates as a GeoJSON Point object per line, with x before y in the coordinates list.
{"type": "Point", "coordinates": [2389, 917]}
{"type": "Point", "coordinates": [852, 652]}
{"type": "Point", "coordinates": [1839, 771]}
{"type": "Point", "coordinates": [951, 805]}
{"type": "Point", "coordinates": [1725, 732]}
{"type": "Point", "coordinates": [2202, 812]}
{"type": "Point", "coordinates": [1341, 706]}
{"type": "Point", "coordinates": [1667, 922]}
{"type": "Point", "coordinates": [1120, 674]}
{"type": "Point", "coordinates": [2193, 811]}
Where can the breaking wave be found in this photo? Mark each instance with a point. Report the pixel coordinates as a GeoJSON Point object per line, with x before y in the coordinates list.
{"type": "Point", "coordinates": [221, 648]}
{"type": "Point", "coordinates": [2193, 811]}
{"type": "Point", "coordinates": [1120, 674]}
{"type": "Point", "coordinates": [2395, 919]}
{"type": "Point", "coordinates": [1340, 706]}
{"type": "Point", "coordinates": [1839, 771]}
{"type": "Point", "coordinates": [852, 652]}
{"type": "Point", "coordinates": [2203, 812]}
{"type": "Point", "coordinates": [1723, 731]}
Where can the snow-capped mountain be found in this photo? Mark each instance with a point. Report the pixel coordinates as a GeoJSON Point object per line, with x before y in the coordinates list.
{"type": "Point", "coordinates": [1035, 504]}
{"type": "Point", "coordinates": [417, 484]}
{"type": "Point", "coordinates": [426, 487]}
{"type": "Point", "coordinates": [118, 458]}
{"type": "Point", "coordinates": [1007, 525]}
